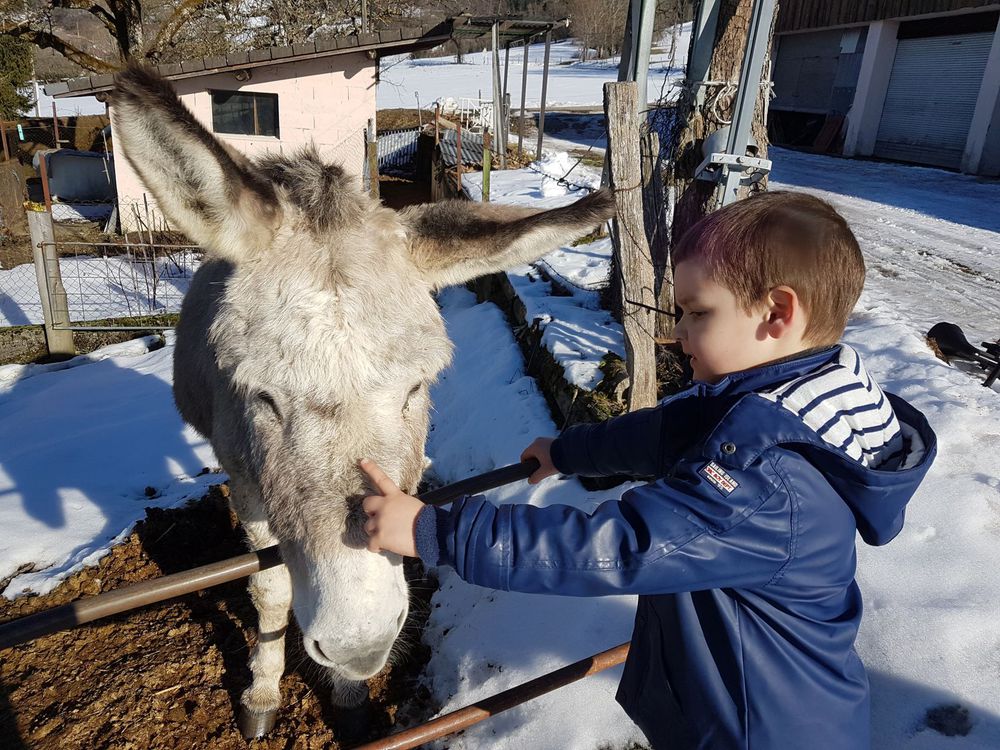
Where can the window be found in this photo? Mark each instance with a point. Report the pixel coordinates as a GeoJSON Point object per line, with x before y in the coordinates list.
{"type": "Point", "coordinates": [245, 113]}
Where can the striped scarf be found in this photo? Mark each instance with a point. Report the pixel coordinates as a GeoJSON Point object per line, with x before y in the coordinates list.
{"type": "Point", "coordinates": [843, 405]}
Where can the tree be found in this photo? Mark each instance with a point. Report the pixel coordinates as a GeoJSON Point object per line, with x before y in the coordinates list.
{"type": "Point", "coordinates": [695, 122]}
{"type": "Point", "coordinates": [180, 29]}
{"type": "Point", "coordinates": [15, 75]}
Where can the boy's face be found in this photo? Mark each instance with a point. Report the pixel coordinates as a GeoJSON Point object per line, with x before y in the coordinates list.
{"type": "Point", "coordinates": [718, 334]}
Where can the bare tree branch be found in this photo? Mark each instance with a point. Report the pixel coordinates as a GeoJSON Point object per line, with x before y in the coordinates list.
{"type": "Point", "coordinates": [47, 40]}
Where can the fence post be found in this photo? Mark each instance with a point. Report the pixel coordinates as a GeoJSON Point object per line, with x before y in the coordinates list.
{"type": "Point", "coordinates": [621, 114]}
{"type": "Point", "coordinates": [658, 234]}
{"type": "Point", "coordinates": [487, 163]}
{"type": "Point", "coordinates": [372, 149]}
{"type": "Point", "coordinates": [43, 172]}
{"type": "Point", "coordinates": [55, 126]}
{"type": "Point", "coordinates": [55, 305]}
{"type": "Point", "coordinates": [3, 137]}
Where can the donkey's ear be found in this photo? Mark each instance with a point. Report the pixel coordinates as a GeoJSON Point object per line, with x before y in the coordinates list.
{"type": "Point", "coordinates": [454, 241]}
{"type": "Point", "coordinates": [206, 190]}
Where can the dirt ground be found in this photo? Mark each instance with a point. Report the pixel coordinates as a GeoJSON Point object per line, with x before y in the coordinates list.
{"type": "Point", "coordinates": [169, 676]}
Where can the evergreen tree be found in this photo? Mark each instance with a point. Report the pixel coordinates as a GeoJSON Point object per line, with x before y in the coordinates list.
{"type": "Point", "coordinates": [15, 75]}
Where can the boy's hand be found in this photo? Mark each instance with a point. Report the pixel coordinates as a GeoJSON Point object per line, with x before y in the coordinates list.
{"type": "Point", "coordinates": [392, 514]}
{"type": "Point", "coordinates": [540, 449]}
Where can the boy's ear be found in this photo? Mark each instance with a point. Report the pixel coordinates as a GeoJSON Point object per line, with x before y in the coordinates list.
{"type": "Point", "coordinates": [784, 314]}
{"type": "Point", "coordinates": [454, 241]}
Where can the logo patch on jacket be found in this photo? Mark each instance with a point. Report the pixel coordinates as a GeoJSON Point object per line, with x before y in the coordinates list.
{"type": "Point", "coordinates": [719, 478]}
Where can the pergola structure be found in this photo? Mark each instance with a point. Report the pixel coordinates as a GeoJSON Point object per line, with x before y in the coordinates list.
{"type": "Point", "coordinates": [505, 31]}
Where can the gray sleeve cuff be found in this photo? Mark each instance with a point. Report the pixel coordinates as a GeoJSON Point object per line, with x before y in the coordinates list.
{"type": "Point", "coordinates": [430, 535]}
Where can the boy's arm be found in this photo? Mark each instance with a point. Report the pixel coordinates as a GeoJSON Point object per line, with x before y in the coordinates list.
{"type": "Point", "coordinates": [629, 444]}
{"type": "Point", "coordinates": [676, 534]}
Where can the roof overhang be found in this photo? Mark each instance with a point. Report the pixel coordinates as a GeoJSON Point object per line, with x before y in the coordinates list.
{"type": "Point", "coordinates": [389, 42]}
{"type": "Point", "coordinates": [510, 29]}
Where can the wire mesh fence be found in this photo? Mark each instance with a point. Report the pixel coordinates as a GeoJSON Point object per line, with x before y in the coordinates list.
{"type": "Point", "coordinates": [105, 282]}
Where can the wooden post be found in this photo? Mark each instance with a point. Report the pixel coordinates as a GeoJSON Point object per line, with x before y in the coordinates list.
{"type": "Point", "coordinates": [487, 162]}
{"type": "Point", "coordinates": [43, 172]}
{"type": "Point", "coordinates": [55, 126]}
{"type": "Point", "coordinates": [55, 305]}
{"type": "Point", "coordinates": [638, 300]}
{"type": "Point", "coordinates": [458, 156]}
{"type": "Point", "coordinates": [3, 137]}
{"type": "Point", "coordinates": [654, 211]}
{"type": "Point", "coordinates": [437, 123]}
{"type": "Point", "coordinates": [372, 149]}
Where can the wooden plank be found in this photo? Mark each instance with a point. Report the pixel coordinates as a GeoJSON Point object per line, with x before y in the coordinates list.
{"type": "Point", "coordinates": [622, 115]}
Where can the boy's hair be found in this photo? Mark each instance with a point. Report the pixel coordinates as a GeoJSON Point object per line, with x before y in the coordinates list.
{"type": "Point", "coordinates": [783, 238]}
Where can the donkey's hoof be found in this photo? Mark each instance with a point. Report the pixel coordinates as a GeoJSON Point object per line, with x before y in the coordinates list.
{"type": "Point", "coordinates": [354, 724]}
{"type": "Point", "coordinates": [254, 724]}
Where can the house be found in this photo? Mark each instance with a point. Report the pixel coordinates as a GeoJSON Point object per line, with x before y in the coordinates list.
{"type": "Point", "coordinates": [908, 80]}
{"type": "Point", "coordinates": [278, 98]}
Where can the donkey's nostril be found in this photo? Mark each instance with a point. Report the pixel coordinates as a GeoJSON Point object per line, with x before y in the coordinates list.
{"type": "Point", "coordinates": [319, 649]}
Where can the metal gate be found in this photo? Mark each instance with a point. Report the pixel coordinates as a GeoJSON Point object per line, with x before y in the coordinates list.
{"type": "Point", "coordinates": [931, 98]}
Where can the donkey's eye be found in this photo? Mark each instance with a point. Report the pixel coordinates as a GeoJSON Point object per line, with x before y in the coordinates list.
{"type": "Point", "coordinates": [409, 396]}
{"type": "Point", "coordinates": [267, 400]}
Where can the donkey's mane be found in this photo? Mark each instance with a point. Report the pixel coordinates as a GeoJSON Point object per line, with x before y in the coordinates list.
{"type": "Point", "coordinates": [323, 192]}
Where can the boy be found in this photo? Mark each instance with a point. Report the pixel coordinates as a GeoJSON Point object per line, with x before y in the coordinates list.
{"type": "Point", "coordinates": [742, 545]}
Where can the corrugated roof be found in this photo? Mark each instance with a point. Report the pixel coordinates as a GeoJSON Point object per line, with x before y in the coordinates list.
{"type": "Point", "coordinates": [472, 147]}
{"type": "Point", "coordinates": [393, 41]}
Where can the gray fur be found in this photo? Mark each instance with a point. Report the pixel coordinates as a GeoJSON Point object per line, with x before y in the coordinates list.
{"type": "Point", "coordinates": [309, 339]}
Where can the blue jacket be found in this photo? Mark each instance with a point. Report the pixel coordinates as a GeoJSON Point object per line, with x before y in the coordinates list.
{"type": "Point", "coordinates": [742, 548]}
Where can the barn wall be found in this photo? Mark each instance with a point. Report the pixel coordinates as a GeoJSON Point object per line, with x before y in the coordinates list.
{"type": "Point", "coordinates": [797, 15]}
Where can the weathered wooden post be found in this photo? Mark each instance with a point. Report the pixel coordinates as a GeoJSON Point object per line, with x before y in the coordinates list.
{"type": "Point", "coordinates": [654, 205]}
{"type": "Point", "coordinates": [487, 162]}
{"type": "Point", "coordinates": [55, 305]}
{"type": "Point", "coordinates": [638, 299]}
{"type": "Point", "coordinates": [372, 152]}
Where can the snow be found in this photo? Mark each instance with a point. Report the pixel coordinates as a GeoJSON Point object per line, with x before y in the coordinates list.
{"type": "Point", "coordinates": [405, 82]}
{"type": "Point", "coordinates": [79, 447]}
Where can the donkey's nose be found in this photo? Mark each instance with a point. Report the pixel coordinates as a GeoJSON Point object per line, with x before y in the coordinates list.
{"type": "Point", "coordinates": [354, 663]}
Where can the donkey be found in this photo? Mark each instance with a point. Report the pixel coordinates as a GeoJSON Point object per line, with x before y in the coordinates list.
{"type": "Point", "coordinates": [308, 340]}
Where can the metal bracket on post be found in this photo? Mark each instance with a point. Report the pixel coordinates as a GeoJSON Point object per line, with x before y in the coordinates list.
{"type": "Point", "coordinates": [729, 165]}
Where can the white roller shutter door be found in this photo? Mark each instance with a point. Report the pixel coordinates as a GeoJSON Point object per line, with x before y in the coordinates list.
{"type": "Point", "coordinates": [931, 98]}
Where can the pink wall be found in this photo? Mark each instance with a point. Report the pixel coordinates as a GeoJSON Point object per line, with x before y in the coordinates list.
{"type": "Point", "coordinates": [326, 101]}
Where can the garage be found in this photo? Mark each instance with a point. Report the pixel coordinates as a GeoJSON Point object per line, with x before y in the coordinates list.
{"type": "Point", "coordinates": [936, 76]}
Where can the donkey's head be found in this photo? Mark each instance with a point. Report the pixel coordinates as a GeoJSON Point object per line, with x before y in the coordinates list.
{"type": "Point", "coordinates": [309, 340]}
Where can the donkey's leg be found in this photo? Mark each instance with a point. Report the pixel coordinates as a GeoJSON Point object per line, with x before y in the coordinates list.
{"type": "Point", "coordinates": [271, 593]}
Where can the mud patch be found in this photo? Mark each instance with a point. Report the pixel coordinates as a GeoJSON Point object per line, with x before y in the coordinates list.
{"type": "Point", "coordinates": [169, 676]}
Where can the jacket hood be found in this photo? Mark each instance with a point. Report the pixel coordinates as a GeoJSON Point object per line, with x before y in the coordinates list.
{"type": "Point", "coordinates": [871, 446]}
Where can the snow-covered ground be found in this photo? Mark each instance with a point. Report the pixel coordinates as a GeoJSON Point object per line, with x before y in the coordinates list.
{"type": "Point", "coordinates": [405, 82]}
